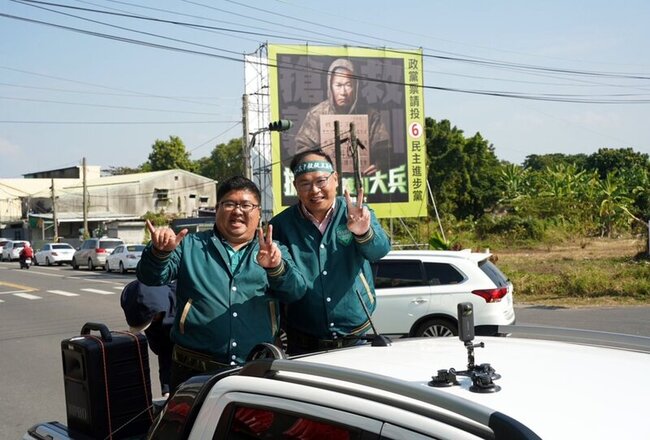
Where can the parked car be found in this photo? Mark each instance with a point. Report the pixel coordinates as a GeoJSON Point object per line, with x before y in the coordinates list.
{"type": "Point", "coordinates": [54, 253]}
{"type": "Point", "coordinates": [125, 257]}
{"type": "Point", "coordinates": [93, 252]}
{"type": "Point", "coordinates": [548, 383]}
{"type": "Point", "coordinates": [11, 249]}
{"type": "Point", "coordinates": [417, 292]}
{"type": "Point", "coordinates": [3, 241]}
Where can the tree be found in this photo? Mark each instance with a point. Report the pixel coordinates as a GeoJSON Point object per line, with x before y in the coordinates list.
{"type": "Point", "coordinates": [608, 160]}
{"type": "Point", "coordinates": [225, 161]}
{"type": "Point", "coordinates": [168, 155]}
{"type": "Point", "coordinates": [464, 174]}
{"type": "Point", "coordinates": [122, 170]}
{"type": "Point", "coordinates": [539, 162]}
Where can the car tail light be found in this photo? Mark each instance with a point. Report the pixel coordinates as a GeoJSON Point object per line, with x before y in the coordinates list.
{"type": "Point", "coordinates": [491, 295]}
{"type": "Point", "coordinates": [130, 256]}
{"type": "Point", "coordinates": [101, 250]}
{"type": "Point", "coordinates": [54, 254]}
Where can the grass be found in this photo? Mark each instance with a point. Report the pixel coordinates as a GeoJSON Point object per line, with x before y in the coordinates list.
{"type": "Point", "coordinates": [592, 273]}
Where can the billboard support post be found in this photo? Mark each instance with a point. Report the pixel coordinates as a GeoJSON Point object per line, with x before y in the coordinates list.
{"type": "Point", "coordinates": [337, 153]}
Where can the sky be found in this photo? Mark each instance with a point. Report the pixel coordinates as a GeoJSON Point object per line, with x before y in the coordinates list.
{"type": "Point", "coordinates": [555, 76]}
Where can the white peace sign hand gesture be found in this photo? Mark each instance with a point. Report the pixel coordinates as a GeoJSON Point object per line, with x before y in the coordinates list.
{"type": "Point", "coordinates": [269, 256]}
{"type": "Point", "coordinates": [358, 214]}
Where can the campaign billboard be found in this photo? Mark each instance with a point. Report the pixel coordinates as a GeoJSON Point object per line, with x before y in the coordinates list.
{"type": "Point", "coordinates": [376, 93]}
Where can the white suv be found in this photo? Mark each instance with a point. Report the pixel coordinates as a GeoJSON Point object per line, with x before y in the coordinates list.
{"type": "Point", "coordinates": [418, 291]}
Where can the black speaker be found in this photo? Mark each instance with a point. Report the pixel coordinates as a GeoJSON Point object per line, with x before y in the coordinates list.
{"type": "Point", "coordinates": [107, 383]}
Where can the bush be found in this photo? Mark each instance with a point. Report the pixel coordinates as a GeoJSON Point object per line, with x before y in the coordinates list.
{"type": "Point", "coordinates": [511, 226]}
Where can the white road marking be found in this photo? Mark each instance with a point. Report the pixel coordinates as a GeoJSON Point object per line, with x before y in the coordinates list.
{"type": "Point", "coordinates": [27, 296]}
{"type": "Point", "coordinates": [63, 293]}
{"type": "Point", "coordinates": [101, 292]}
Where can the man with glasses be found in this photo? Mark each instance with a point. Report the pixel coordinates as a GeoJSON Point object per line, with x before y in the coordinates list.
{"type": "Point", "coordinates": [332, 241]}
{"type": "Point", "coordinates": [228, 283]}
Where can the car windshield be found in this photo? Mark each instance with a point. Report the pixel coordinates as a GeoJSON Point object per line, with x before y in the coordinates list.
{"type": "Point", "coordinates": [135, 248]}
{"type": "Point", "coordinates": [61, 246]}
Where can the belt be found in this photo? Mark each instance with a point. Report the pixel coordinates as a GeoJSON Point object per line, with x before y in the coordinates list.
{"type": "Point", "coordinates": [310, 342]}
{"type": "Point", "coordinates": [195, 360]}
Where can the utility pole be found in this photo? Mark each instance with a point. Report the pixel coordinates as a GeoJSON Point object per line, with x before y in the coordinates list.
{"type": "Point", "coordinates": [246, 149]}
{"type": "Point", "coordinates": [338, 155]}
{"type": "Point", "coordinates": [85, 200]}
{"type": "Point", "coordinates": [54, 220]}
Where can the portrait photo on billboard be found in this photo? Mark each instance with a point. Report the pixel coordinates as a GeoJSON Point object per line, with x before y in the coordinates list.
{"type": "Point", "coordinates": [363, 92]}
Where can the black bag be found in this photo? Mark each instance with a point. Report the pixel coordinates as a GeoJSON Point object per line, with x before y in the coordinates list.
{"type": "Point", "coordinates": [107, 383]}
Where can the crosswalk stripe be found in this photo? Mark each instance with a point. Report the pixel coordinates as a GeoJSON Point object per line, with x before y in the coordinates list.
{"type": "Point", "coordinates": [118, 287]}
{"type": "Point", "coordinates": [27, 296]}
{"type": "Point", "coordinates": [2, 300]}
{"type": "Point", "coordinates": [63, 293]}
{"type": "Point", "coordinates": [101, 292]}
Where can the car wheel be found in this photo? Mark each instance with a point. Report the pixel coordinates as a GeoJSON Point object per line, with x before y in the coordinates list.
{"type": "Point", "coordinates": [436, 327]}
{"type": "Point", "coordinates": [47, 261]}
{"type": "Point", "coordinates": [91, 266]}
{"type": "Point", "coordinates": [122, 269]}
{"type": "Point", "coordinates": [75, 266]}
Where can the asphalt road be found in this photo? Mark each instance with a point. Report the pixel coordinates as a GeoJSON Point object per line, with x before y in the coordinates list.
{"type": "Point", "coordinates": [42, 306]}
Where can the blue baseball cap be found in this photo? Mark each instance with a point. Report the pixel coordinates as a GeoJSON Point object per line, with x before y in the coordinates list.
{"type": "Point", "coordinates": [141, 303]}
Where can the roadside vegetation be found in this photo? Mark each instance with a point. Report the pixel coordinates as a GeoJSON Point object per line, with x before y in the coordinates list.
{"type": "Point", "coordinates": [544, 220]}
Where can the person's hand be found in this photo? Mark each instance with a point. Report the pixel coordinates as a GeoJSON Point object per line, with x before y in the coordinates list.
{"type": "Point", "coordinates": [164, 239]}
{"type": "Point", "coordinates": [269, 256]}
{"type": "Point", "coordinates": [358, 215]}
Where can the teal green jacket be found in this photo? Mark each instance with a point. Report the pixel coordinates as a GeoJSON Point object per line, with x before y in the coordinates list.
{"type": "Point", "coordinates": [220, 312]}
{"type": "Point", "coordinates": [335, 265]}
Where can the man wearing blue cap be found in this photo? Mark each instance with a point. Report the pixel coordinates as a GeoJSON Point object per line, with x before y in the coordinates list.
{"type": "Point", "coordinates": [151, 309]}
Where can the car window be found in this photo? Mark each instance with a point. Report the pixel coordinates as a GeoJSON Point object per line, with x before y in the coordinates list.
{"type": "Point", "coordinates": [117, 250]}
{"type": "Point", "coordinates": [494, 273]}
{"type": "Point", "coordinates": [88, 244]}
{"type": "Point", "coordinates": [252, 422]}
{"type": "Point", "coordinates": [442, 273]}
{"type": "Point", "coordinates": [135, 248]}
{"type": "Point", "coordinates": [19, 244]}
{"type": "Point", "coordinates": [391, 274]}
{"type": "Point", "coordinates": [60, 246]}
{"type": "Point", "coordinates": [108, 244]}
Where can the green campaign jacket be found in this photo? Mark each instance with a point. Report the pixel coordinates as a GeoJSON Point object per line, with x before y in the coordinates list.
{"type": "Point", "coordinates": [335, 265]}
{"type": "Point", "coordinates": [219, 312]}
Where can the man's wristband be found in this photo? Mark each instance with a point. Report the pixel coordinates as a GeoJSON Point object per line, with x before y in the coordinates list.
{"type": "Point", "coordinates": [276, 271]}
{"type": "Point", "coordinates": [361, 239]}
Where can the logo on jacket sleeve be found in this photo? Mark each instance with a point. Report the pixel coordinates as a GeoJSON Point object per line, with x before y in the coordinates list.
{"type": "Point", "coordinates": [343, 235]}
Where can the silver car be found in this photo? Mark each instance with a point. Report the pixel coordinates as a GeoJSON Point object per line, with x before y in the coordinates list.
{"type": "Point", "coordinates": [93, 252]}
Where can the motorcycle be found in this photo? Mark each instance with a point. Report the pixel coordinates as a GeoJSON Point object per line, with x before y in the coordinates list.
{"type": "Point", "coordinates": [25, 263]}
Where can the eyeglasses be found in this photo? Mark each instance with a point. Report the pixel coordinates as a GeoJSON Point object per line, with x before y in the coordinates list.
{"type": "Point", "coordinates": [319, 183]}
{"type": "Point", "coordinates": [245, 206]}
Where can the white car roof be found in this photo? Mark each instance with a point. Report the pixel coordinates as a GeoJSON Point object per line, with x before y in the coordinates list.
{"type": "Point", "coordinates": [465, 254]}
{"type": "Point", "coordinates": [557, 389]}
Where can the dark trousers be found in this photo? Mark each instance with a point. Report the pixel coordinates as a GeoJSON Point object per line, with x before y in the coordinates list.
{"type": "Point", "coordinates": [187, 363]}
{"type": "Point", "coordinates": [303, 343]}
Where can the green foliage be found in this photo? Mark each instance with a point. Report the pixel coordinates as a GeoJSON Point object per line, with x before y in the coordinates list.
{"type": "Point", "coordinates": [157, 219]}
{"type": "Point", "coordinates": [464, 173]}
{"type": "Point", "coordinates": [226, 160]}
{"type": "Point", "coordinates": [511, 226]}
{"type": "Point", "coordinates": [537, 162]}
{"type": "Point", "coordinates": [438, 242]}
{"type": "Point", "coordinates": [608, 160]}
{"type": "Point", "coordinates": [168, 155]}
{"type": "Point", "coordinates": [122, 170]}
